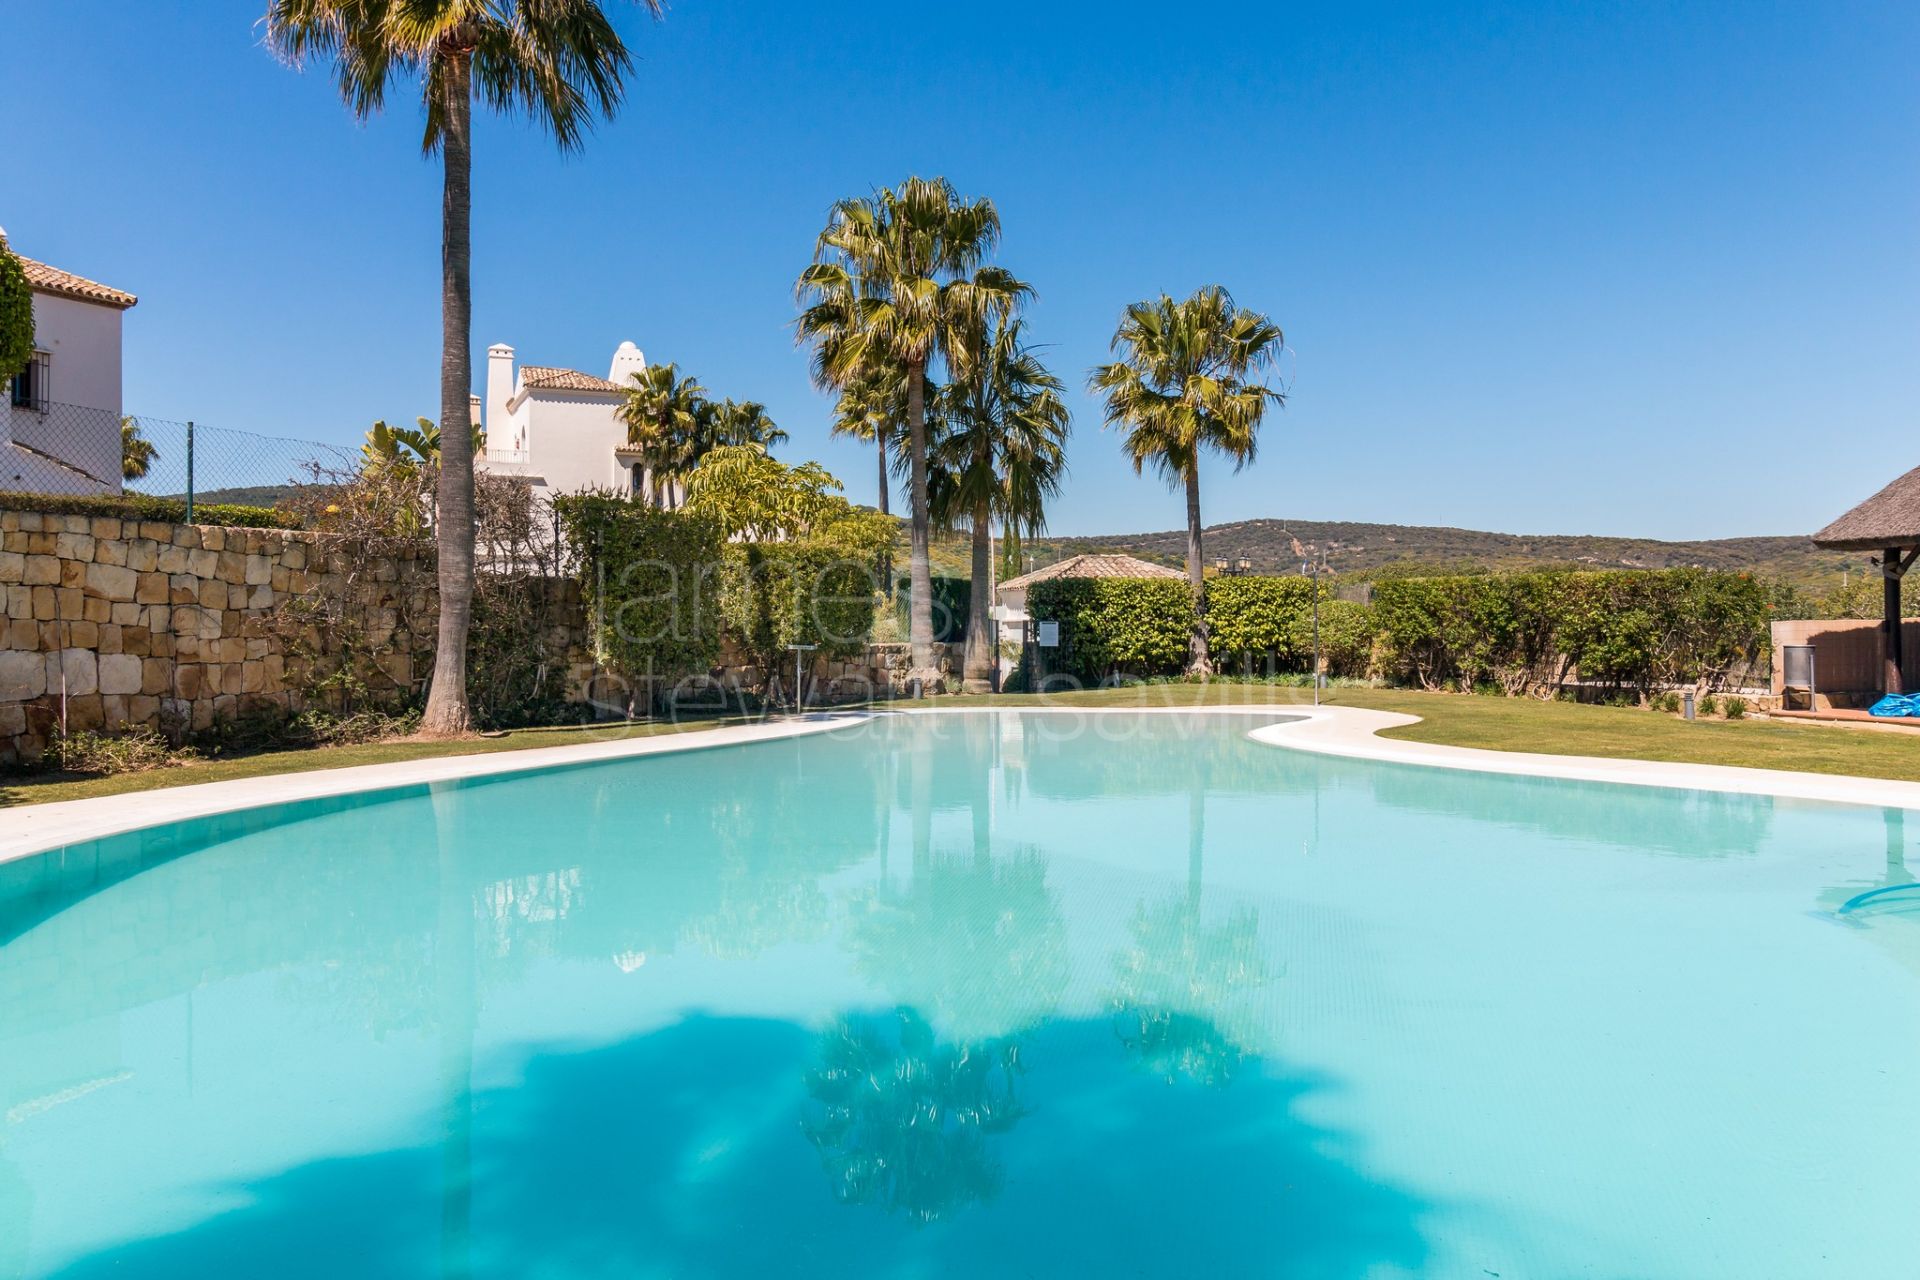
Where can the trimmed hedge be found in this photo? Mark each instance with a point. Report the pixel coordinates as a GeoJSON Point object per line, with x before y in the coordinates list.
{"type": "Point", "coordinates": [647, 577]}
{"type": "Point", "coordinates": [141, 506]}
{"type": "Point", "coordinates": [1522, 632]}
{"type": "Point", "coordinates": [1528, 632]}
{"type": "Point", "coordinates": [1115, 626]}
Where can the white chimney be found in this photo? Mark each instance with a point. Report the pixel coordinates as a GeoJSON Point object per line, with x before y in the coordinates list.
{"type": "Point", "coordinates": [627, 361]}
{"type": "Point", "coordinates": [473, 410]}
{"type": "Point", "coordinates": [499, 385]}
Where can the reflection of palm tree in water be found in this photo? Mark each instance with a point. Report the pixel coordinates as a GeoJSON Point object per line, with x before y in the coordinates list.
{"type": "Point", "coordinates": [901, 1115]}
{"type": "Point", "coordinates": [901, 1118]}
{"type": "Point", "coordinates": [1176, 982]}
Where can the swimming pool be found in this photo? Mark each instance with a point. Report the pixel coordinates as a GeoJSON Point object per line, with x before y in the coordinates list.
{"type": "Point", "coordinates": [1001, 994]}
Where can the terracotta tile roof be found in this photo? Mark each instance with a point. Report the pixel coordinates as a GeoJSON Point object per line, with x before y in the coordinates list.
{"type": "Point", "coordinates": [1099, 566]}
{"type": "Point", "coordinates": [68, 285]}
{"type": "Point", "coordinates": [534, 376]}
{"type": "Point", "coordinates": [1890, 518]}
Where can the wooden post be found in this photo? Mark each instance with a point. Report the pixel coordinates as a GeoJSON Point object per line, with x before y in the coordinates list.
{"type": "Point", "coordinates": [1892, 570]}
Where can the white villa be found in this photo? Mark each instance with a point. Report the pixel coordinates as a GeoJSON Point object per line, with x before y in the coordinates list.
{"type": "Point", "coordinates": [559, 429]}
{"type": "Point", "coordinates": [60, 419]}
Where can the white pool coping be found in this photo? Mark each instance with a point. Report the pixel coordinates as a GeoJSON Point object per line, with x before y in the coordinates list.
{"type": "Point", "coordinates": [37, 828]}
{"type": "Point", "coordinates": [1354, 732]}
{"type": "Point", "coordinates": [1350, 732]}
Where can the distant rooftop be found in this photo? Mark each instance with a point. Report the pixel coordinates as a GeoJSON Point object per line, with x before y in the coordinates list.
{"type": "Point", "coordinates": [1092, 566]}
{"type": "Point", "coordinates": [65, 284]}
{"type": "Point", "coordinates": [534, 376]}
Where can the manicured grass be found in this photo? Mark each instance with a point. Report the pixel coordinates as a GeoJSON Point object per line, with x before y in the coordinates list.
{"type": "Point", "coordinates": [1499, 724]}
{"type": "Point", "coordinates": [19, 789]}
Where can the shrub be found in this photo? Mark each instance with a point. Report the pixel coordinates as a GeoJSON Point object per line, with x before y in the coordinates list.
{"type": "Point", "coordinates": [1132, 626]}
{"type": "Point", "coordinates": [1668, 702]}
{"type": "Point", "coordinates": [647, 577]}
{"type": "Point", "coordinates": [16, 315]}
{"type": "Point", "coordinates": [141, 506]}
{"type": "Point", "coordinates": [135, 749]}
{"type": "Point", "coordinates": [952, 599]}
{"type": "Point", "coordinates": [1709, 706]}
{"type": "Point", "coordinates": [818, 590]}
{"type": "Point", "coordinates": [1736, 708]}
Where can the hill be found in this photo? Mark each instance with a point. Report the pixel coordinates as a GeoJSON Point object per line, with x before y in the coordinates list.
{"type": "Point", "coordinates": [1376, 550]}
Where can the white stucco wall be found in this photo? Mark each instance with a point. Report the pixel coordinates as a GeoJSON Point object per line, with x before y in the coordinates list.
{"type": "Point", "coordinates": [565, 440]}
{"type": "Point", "coordinates": [82, 425]}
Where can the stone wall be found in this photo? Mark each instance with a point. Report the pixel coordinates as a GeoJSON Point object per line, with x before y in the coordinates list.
{"type": "Point", "coordinates": [110, 622]}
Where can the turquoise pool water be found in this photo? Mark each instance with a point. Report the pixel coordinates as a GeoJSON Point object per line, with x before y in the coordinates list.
{"type": "Point", "coordinates": [983, 995]}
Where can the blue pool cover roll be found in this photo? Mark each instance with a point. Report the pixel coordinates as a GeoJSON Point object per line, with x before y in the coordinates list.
{"type": "Point", "coordinates": [1897, 704]}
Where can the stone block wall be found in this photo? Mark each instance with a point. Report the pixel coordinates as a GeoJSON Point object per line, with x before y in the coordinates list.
{"type": "Point", "coordinates": [112, 622]}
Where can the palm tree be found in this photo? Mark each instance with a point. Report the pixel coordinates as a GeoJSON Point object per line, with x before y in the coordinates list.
{"type": "Point", "coordinates": [897, 280]}
{"type": "Point", "coordinates": [666, 418]}
{"type": "Point", "coordinates": [745, 422]}
{"type": "Point", "coordinates": [872, 405]}
{"type": "Point", "coordinates": [558, 61]}
{"type": "Point", "coordinates": [137, 453]}
{"type": "Point", "coordinates": [409, 446]}
{"type": "Point", "coordinates": [1002, 453]}
{"type": "Point", "coordinates": [1185, 383]}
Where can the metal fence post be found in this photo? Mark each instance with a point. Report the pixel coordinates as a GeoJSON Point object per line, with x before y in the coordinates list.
{"type": "Point", "coordinates": [189, 471]}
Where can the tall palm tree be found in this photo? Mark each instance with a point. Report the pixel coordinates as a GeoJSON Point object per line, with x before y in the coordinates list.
{"type": "Point", "coordinates": [872, 406]}
{"type": "Point", "coordinates": [559, 62]}
{"type": "Point", "coordinates": [1001, 454]}
{"type": "Point", "coordinates": [1186, 382]}
{"type": "Point", "coordinates": [665, 416]}
{"type": "Point", "coordinates": [897, 279]}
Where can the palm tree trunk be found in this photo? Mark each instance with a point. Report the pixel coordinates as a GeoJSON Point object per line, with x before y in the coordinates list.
{"type": "Point", "coordinates": [920, 613]}
{"type": "Point", "coordinates": [981, 651]}
{"type": "Point", "coordinates": [447, 714]}
{"type": "Point", "coordinates": [1198, 662]}
{"type": "Point", "coordinates": [886, 556]}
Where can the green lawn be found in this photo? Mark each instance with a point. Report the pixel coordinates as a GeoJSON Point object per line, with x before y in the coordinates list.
{"type": "Point", "coordinates": [1500, 724]}
{"type": "Point", "coordinates": [18, 789]}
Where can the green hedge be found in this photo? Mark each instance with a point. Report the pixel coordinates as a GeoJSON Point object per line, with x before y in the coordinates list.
{"type": "Point", "coordinates": [1253, 622]}
{"type": "Point", "coordinates": [140, 506]}
{"type": "Point", "coordinates": [648, 578]}
{"type": "Point", "coordinates": [1527, 632]}
{"type": "Point", "coordinates": [1109, 626]}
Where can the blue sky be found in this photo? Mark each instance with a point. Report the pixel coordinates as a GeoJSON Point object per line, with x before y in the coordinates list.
{"type": "Point", "coordinates": [1643, 269]}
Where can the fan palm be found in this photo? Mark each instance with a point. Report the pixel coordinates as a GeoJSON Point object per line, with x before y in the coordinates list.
{"type": "Point", "coordinates": [666, 419]}
{"type": "Point", "coordinates": [1001, 453]}
{"type": "Point", "coordinates": [137, 453]}
{"type": "Point", "coordinates": [746, 422]}
{"type": "Point", "coordinates": [1186, 382]}
{"type": "Point", "coordinates": [897, 280]}
{"type": "Point", "coordinates": [561, 63]}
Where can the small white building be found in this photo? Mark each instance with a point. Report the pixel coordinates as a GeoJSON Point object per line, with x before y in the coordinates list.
{"type": "Point", "coordinates": [560, 429]}
{"type": "Point", "coordinates": [60, 419]}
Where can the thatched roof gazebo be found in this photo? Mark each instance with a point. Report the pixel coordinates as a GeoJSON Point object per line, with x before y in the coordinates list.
{"type": "Point", "coordinates": [1889, 523]}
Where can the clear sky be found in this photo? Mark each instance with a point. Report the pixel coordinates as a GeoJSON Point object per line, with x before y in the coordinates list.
{"type": "Point", "coordinates": [1619, 268]}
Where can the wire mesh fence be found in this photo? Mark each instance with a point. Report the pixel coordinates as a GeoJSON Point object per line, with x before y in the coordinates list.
{"type": "Point", "coordinates": [72, 449]}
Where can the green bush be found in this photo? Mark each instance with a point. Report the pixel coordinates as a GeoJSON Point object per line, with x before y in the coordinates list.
{"type": "Point", "coordinates": [16, 315]}
{"type": "Point", "coordinates": [135, 749]}
{"type": "Point", "coordinates": [1736, 708]}
{"type": "Point", "coordinates": [818, 590]}
{"type": "Point", "coordinates": [648, 581]}
{"type": "Point", "coordinates": [1709, 706]}
{"type": "Point", "coordinates": [952, 598]}
{"type": "Point", "coordinates": [1527, 632]}
{"type": "Point", "coordinates": [1109, 626]}
{"type": "Point", "coordinates": [141, 506]}
{"type": "Point", "coordinates": [1668, 702]}
{"type": "Point", "coordinates": [1251, 620]}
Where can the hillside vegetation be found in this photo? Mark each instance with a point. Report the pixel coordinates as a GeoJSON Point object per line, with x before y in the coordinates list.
{"type": "Point", "coordinates": [1386, 550]}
